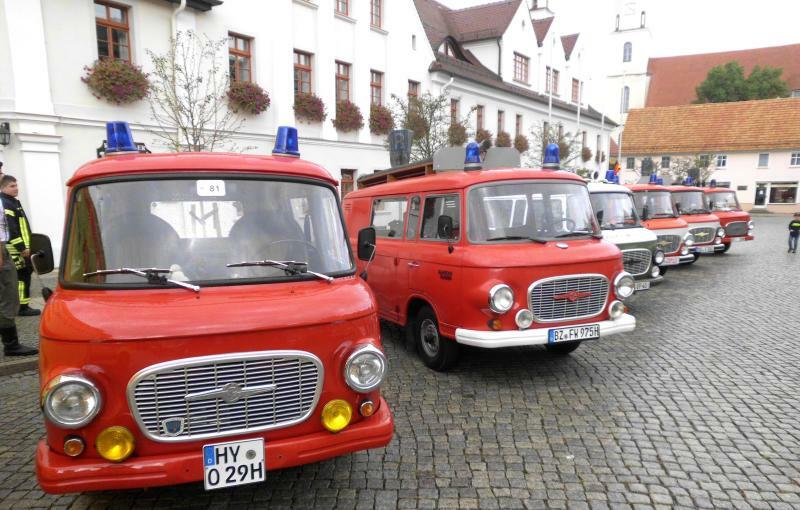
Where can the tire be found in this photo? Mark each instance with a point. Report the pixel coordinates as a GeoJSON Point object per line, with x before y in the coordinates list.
{"type": "Point", "coordinates": [664, 270]}
{"type": "Point", "coordinates": [437, 352]}
{"type": "Point", "coordinates": [727, 247]}
{"type": "Point", "coordinates": [563, 349]}
{"type": "Point", "coordinates": [696, 256]}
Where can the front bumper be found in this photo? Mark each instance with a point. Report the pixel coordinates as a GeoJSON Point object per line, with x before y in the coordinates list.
{"type": "Point", "coordinates": [717, 248]}
{"type": "Point", "coordinates": [729, 240]}
{"type": "Point", "coordinates": [58, 474]}
{"type": "Point", "coordinates": [647, 278]}
{"type": "Point", "coordinates": [538, 336]}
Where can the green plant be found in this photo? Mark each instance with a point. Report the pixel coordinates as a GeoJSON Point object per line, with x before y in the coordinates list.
{"type": "Point", "coordinates": [247, 97]}
{"type": "Point", "coordinates": [380, 120]}
{"type": "Point", "coordinates": [309, 107]}
{"type": "Point", "coordinates": [456, 135]}
{"type": "Point", "coordinates": [521, 143]}
{"type": "Point", "coordinates": [116, 81]}
{"type": "Point", "coordinates": [348, 117]}
{"type": "Point", "coordinates": [503, 139]}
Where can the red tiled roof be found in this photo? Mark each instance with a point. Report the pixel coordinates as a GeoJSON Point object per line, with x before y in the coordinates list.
{"type": "Point", "coordinates": [673, 80]}
{"type": "Point", "coordinates": [568, 42]}
{"type": "Point", "coordinates": [713, 127]}
{"type": "Point", "coordinates": [541, 27]}
{"type": "Point", "coordinates": [471, 24]}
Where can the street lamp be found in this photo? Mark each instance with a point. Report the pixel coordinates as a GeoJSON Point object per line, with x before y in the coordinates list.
{"type": "Point", "coordinates": [5, 134]}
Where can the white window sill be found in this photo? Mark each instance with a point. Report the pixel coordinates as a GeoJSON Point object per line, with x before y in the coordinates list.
{"type": "Point", "coordinates": [344, 18]}
{"type": "Point", "coordinates": [306, 3]}
{"type": "Point", "coordinates": [378, 30]}
{"type": "Point", "coordinates": [763, 167]}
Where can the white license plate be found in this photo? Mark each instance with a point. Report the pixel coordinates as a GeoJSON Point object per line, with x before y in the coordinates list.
{"type": "Point", "coordinates": [738, 239]}
{"type": "Point", "coordinates": [235, 463]}
{"type": "Point", "coordinates": [671, 261]}
{"type": "Point", "coordinates": [705, 249]}
{"type": "Point", "coordinates": [641, 285]}
{"type": "Point", "coordinates": [587, 332]}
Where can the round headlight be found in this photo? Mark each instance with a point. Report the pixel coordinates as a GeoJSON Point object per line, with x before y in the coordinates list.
{"type": "Point", "coordinates": [524, 318]}
{"type": "Point", "coordinates": [616, 309]}
{"type": "Point", "coordinates": [624, 285]}
{"type": "Point", "coordinates": [720, 232]}
{"type": "Point", "coordinates": [365, 369]}
{"type": "Point", "coordinates": [655, 271]}
{"type": "Point", "coordinates": [751, 225]}
{"type": "Point", "coordinates": [658, 258]}
{"type": "Point", "coordinates": [501, 298]}
{"type": "Point", "coordinates": [685, 250]}
{"type": "Point", "coordinates": [688, 239]}
{"type": "Point", "coordinates": [70, 401]}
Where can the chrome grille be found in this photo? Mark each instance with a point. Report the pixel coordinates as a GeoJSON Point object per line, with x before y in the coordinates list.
{"type": "Point", "coordinates": [736, 228]}
{"type": "Point", "coordinates": [669, 243]}
{"type": "Point", "coordinates": [545, 308]}
{"type": "Point", "coordinates": [703, 235]}
{"type": "Point", "coordinates": [242, 399]}
{"type": "Point", "coordinates": [636, 262]}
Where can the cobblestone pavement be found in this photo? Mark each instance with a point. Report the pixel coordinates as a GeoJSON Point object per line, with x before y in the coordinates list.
{"type": "Point", "coordinates": [697, 408]}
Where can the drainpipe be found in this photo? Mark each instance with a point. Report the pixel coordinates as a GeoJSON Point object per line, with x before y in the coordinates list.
{"type": "Point", "coordinates": [500, 57]}
{"type": "Point", "coordinates": [447, 85]}
{"type": "Point", "coordinates": [174, 21]}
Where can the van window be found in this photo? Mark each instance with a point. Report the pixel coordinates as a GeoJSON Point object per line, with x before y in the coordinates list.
{"type": "Point", "coordinates": [388, 215]}
{"type": "Point", "coordinates": [445, 205]}
{"type": "Point", "coordinates": [413, 218]}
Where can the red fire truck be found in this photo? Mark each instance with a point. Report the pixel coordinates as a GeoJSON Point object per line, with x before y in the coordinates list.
{"type": "Point", "coordinates": [690, 203]}
{"type": "Point", "coordinates": [737, 223]}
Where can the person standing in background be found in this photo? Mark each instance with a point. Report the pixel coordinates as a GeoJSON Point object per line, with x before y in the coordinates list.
{"type": "Point", "coordinates": [19, 243]}
{"type": "Point", "coordinates": [794, 232]}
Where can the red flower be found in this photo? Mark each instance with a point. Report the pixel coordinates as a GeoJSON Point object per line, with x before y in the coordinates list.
{"type": "Point", "coordinates": [348, 117]}
{"type": "Point", "coordinates": [247, 97]}
{"type": "Point", "coordinates": [116, 81]}
{"type": "Point", "coordinates": [380, 120]}
{"type": "Point", "coordinates": [309, 107]}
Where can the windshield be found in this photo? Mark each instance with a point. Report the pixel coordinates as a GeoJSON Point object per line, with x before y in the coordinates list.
{"type": "Point", "coordinates": [529, 210]}
{"type": "Point", "coordinates": [723, 201]}
{"type": "Point", "coordinates": [614, 210]}
{"type": "Point", "coordinates": [689, 202]}
{"type": "Point", "coordinates": [195, 227]}
{"type": "Point", "coordinates": [659, 204]}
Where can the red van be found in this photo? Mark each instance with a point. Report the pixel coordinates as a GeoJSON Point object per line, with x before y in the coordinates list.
{"type": "Point", "coordinates": [690, 203]}
{"type": "Point", "coordinates": [654, 205]}
{"type": "Point", "coordinates": [207, 324]}
{"type": "Point", "coordinates": [737, 223]}
{"type": "Point", "coordinates": [490, 258]}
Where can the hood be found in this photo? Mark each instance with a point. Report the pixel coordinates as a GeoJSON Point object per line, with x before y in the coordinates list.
{"type": "Point", "coordinates": [700, 218]}
{"type": "Point", "coordinates": [529, 254]}
{"type": "Point", "coordinates": [152, 314]}
{"type": "Point", "coordinates": [625, 236]}
{"type": "Point", "coordinates": [726, 217]}
{"type": "Point", "coordinates": [664, 223]}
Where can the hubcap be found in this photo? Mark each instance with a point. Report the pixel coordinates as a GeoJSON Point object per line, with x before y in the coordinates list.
{"type": "Point", "coordinates": [430, 337]}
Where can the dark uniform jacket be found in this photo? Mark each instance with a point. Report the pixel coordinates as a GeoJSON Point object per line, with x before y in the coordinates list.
{"type": "Point", "coordinates": [19, 230]}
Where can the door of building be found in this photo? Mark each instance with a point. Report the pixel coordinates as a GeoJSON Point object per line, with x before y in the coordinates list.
{"type": "Point", "coordinates": [761, 195]}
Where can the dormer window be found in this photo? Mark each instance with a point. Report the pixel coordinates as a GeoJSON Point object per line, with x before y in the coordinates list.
{"type": "Point", "coordinates": [447, 49]}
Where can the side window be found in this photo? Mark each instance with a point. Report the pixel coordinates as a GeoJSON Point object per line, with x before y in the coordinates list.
{"type": "Point", "coordinates": [413, 218]}
{"type": "Point", "coordinates": [446, 205]}
{"type": "Point", "coordinates": [388, 215]}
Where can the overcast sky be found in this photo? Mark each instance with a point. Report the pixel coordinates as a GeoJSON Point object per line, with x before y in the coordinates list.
{"type": "Point", "coordinates": [682, 27]}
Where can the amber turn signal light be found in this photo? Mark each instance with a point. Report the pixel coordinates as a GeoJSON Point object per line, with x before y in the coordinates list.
{"type": "Point", "coordinates": [74, 446]}
{"type": "Point", "coordinates": [367, 408]}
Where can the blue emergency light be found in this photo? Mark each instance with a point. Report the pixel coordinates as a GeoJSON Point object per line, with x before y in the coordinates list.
{"type": "Point", "coordinates": [551, 157]}
{"type": "Point", "coordinates": [653, 179]}
{"type": "Point", "coordinates": [119, 138]}
{"type": "Point", "coordinates": [611, 177]}
{"type": "Point", "coordinates": [660, 181]}
{"type": "Point", "coordinates": [286, 143]}
{"type": "Point", "coordinates": [688, 181]}
{"type": "Point", "coordinates": [472, 161]}
{"type": "Point", "coordinates": [713, 183]}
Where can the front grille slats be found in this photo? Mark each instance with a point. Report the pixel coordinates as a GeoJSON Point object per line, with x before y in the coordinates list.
{"type": "Point", "coordinates": [157, 394]}
{"type": "Point", "coordinates": [703, 235]}
{"type": "Point", "coordinates": [576, 297]}
{"type": "Point", "coordinates": [736, 228]}
{"type": "Point", "coordinates": [669, 243]}
{"type": "Point", "coordinates": [636, 262]}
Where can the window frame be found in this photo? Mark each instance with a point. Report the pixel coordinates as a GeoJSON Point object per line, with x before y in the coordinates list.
{"type": "Point", "coordinates": [668, 160]}
{"type": "Point", "coordinates": [375, 87]}
{"type": "Point", "coordinates": [625, 100]}
{"type": "Point", "coordinates": [627, 51]}
{"type": "Point", "coordinates": [343, 79]}
{"type": "Point", "coordinates": [389, 198]}
{"type": "Point", "coordinates": [479, 117]}
{"type": "Point", "coordinates": [303, 69]}
{"type": "Point", "coordinates": [501, 121]}
{"type": "Point", "coordinates": [721, 161]}
{"type": "Point", "coordinates": [521, 68]}
{"type": "Point", "coordinates": [766, 164]}
{"type": "Point", "coordinates": [339, 3]}
{"type": "Point", "coordinates": [556, 75]}
{"type": "Point", "coordinates": [373, 14]}
{"type": "Point", "coordinates": [576, 90]}
{"type": "Point", "coordinates": [413, 89]}
{"type": "Point", "coordinates": [110, 25]}
{"type": "Point", "coordinates": [518, 125]}
{"type": "Point", "coordinates": [460, 217]}
{"type": "Point", "coordinates": [455, 110]}
{"type": "Point", "coordinates": [630, 163]}
{"type": "Point", "coordinates": [415, 234]}
{"type": "Point", "coordinates": [794, 159]}
{"type": "Point", "coordinates": [351, 173]}
{"type": "Point", "coordinates": [235, 51]}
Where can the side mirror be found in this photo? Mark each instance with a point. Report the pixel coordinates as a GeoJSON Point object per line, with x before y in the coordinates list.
{"type": "Point", "coordinates": [41, 254]}
{"type": "Point", "coordinates": [645, 212]}
{"type": "Point", "coordinates": [366, 243]}
{"type": "Point", "coordinates": [444, 227]}
{"type": "Point", "coordinates": [599, 215]}
{"type": "Point", "coordinates": [678, 207]}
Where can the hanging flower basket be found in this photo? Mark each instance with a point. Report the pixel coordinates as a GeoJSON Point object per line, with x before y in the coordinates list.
{"type": "Point", "coordinates": [586, 154]}
{"type": "Point", "coordinates": [456, 135]}
{"type": "Point", "coordinates": [521, 143]}
{"type": "Point", "coordinates": [380, 120]}
{"type": "Point", "coordinates": [309, 107]}
{"type": "Point", "coordinates": [247, 97]}
{"type": "Point", "coordinates": [116, 81]}
{"type": "Point", "coordinates": [482, 135]}
{"type": "Point", "coordinates": [348, 117]}
{"type": "Point", "coordinates": [503, 139]}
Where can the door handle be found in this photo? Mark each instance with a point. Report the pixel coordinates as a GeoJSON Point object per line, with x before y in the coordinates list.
{"type": "Point", "coordinates": [413, 264]}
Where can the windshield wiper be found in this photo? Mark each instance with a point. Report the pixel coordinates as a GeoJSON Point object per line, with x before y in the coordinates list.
{"type": "Point", "coordinates": [518, 238]}
{"type": "Point", "coordinates": [578, 233]}
{"type": "Point", "coordinates": [153, 275]}
{"type": "Point", "coordinates": [291, 267]}
{"type": "Point", "coordinates": [697, 211]}
{"type": "Point", "coordinates": [664, 215]}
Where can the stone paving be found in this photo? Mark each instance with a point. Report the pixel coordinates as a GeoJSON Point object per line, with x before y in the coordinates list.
{"type": "Point", "coordinates": [698, 408]}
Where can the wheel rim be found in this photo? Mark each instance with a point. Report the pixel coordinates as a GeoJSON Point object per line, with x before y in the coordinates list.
{"type": "Point", "coordinates": [429, 336]}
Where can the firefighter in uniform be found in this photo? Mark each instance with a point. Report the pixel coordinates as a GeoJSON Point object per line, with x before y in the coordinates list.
{"type": "Point", "coordinates": [19, 243]}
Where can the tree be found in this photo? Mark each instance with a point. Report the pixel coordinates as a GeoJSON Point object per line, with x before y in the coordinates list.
{"type": "Point", "coordinates": [428, 116]}
{"type": "Point", "coordinates": [188, 95]}
{"type": "Point", "coordinates": [569, 146]}
{"type": "Point", "coordinates": [727, 83]}
{"type": "Point", "coordinates": [681, 165]}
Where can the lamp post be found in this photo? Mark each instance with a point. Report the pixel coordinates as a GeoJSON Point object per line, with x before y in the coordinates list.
{"type": "Point", "coordinates": [5, 134]}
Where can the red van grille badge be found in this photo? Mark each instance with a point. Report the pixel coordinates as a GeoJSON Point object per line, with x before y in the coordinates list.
{"type": "Point", "coordinates": [572, 296]}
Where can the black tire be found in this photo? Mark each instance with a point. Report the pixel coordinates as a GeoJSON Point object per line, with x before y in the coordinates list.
{"type": "Point", "coordinates": [727, 247]}
{"type": "Point", "coordinates": [437, 352]}
{"type": "Point", "coordinates": [562, 349]}
{"type": "Point", "coordinates": [696, 256]}
{"type": "Point", "coordinates": [664, 270]}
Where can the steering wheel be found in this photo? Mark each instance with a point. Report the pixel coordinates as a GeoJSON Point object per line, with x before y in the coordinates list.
{"type": "Point", "coordinates": [558, 223]}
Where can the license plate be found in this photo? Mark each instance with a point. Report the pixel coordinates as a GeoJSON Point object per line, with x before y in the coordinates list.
{"type": "Point", "coordinates": [641, 285]}
{"type": "Point", "coordinates": [737, 238]}
{"type": "Point", "coordinates": [705, 249]}
{"type": "Point", "coordinates": [671, 261]}
{"type": "Point", "coordinates": [586, 332]}
{"type": "Point", "coordinates": [235, 463]}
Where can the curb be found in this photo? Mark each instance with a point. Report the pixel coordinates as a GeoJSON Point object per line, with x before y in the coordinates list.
{"type": "Point", "coordinates": [20, 365]}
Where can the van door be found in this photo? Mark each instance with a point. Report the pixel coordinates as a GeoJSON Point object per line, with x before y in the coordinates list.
{"type": "Point", "coordinates": [434, 269]}
{"type": "Point", "coordinates": [388, 219]}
